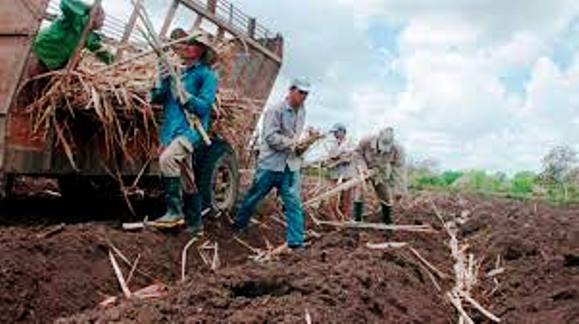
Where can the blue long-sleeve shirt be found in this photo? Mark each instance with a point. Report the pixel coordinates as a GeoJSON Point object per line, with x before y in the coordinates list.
{"type": "Point", "coordinates": [201, 83]}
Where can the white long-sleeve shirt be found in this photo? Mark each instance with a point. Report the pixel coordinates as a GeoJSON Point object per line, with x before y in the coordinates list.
{"type": "Point", "coordinates": [336, 150]}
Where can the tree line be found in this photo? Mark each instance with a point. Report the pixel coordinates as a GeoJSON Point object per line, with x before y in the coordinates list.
{"type": "Point", "coordinates": [557, 182]}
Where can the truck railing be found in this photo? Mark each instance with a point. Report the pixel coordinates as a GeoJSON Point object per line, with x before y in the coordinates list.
{"type": "Point", "coordinates": [229, 20]}
{"type": "Point", "coordinates": [223, 14]}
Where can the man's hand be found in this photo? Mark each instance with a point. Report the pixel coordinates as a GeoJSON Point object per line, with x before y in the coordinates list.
{"type": "Point", "coordinates": [312, 136]}
{"type": "Point", "coordinates": [184, 97]}
{"type": "Point", "coordinates": [163, 69]}
{"type": "Point", "coordinates": [364, 171]}
{"type": "Point", "coordinates": [295, 143]}
{"type": "Point", "coordinates": [313, 133]}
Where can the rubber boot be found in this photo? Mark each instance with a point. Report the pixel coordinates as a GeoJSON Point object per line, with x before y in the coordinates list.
{"type": "Point", "coordinates": [173, 201]}
{"type": "Point", "coordinates": [386, 214]}
{"type": "Point", "coordinates": [358, 210]}
{"type": "Point", "coordinates": [192, 211]}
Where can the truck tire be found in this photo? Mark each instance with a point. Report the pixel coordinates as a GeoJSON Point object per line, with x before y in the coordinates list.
{"type": "Point", "coordinates": [6, 184]}
{"type": "Point", "coordinates": [217, 171]}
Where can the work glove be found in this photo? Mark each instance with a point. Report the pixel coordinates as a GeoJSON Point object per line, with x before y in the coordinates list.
{"type": "Point", "coordinates": [164, 70]}
{"type": "Point", "coordinates": [294, 143]}
{"type": "Point", "coordinates": [183, 100]}
{"type": "Point", "coordinates": [363, 170]}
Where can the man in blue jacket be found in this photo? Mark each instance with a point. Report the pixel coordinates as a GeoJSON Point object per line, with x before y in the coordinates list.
{"type": "Point", "coordinates": [178, 137]}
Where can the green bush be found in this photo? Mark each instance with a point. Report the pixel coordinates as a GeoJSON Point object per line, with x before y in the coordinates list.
{"type": "Point", "coordinates": [449, 177]}
{"type": "Point", "coordinates": [524, 182]}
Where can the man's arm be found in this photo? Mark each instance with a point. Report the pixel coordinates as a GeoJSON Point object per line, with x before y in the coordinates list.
{"type": "Point", "coordinates": [158, 94]}
{"type": "Point", "coordinates": [400, 158]}
{"type": "Point", "coordinates": [272, 132]}
{"type": "Point", "coordinates": [201, 104]}
{"type": "Point", "coordinates": [359, 158]}
{"type": "Point", "coordinates": [399, 171]}
{"type": "Point", "coordinates": [74, 8]}
{"type": "Point", "coordinates": [94, 44]}
{"type": "Point", "coordinates": [332, 149]}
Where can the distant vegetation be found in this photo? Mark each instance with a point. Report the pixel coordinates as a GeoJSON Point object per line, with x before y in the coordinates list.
{"type": "Point", "coordinates": [558, 182]}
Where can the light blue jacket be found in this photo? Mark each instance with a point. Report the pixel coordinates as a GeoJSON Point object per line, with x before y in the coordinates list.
{"type": "Point", "coordinates": [282, 126]}
{"type": "Point", "coordinates": [201, 83]}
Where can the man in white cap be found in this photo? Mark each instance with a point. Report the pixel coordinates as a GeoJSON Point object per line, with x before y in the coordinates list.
{"type": "Point", "coordinates": [279, 162]}
{"type": "Point", "coordinates": [340, 167]}
{"type": "Point", "coordinates": [386, 157]}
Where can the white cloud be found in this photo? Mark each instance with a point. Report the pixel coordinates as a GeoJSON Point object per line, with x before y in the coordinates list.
{"type": "Point", "coordinates": [453, 66]}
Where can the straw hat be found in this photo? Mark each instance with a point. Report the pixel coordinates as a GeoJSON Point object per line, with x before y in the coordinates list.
{"type": "Point", "coordinates": [206, 39]}
{"type": "Point", "coordinates": [199, 37]}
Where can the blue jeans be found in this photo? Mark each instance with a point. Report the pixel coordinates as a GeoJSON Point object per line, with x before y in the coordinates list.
{"type": "Point", "coordinates": [288, 186]}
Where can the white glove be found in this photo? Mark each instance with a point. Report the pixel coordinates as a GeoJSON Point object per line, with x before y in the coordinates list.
{"type": "Point", "coordinates": [184, 99]}
{"type": "Point", "coordinates": [163, 69]}
{"type": "Point", "coordinates": [294, 143]}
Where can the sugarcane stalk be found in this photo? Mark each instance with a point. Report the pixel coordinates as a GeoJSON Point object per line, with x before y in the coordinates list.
{"type": "Point", "coordinates": [73, 62]}
{"type": "Point", "coordinates": [182, 94]}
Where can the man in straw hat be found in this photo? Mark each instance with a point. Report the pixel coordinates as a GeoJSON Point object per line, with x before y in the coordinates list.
{"type": "Point", "coordinates": [386, 157]}
{"type": "Point", "coordinates": [178, 138]}
{"type": "Point", "coordinates": [279, 162]}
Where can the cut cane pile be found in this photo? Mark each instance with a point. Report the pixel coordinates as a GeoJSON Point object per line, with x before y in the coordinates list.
{"type": "Point", "coordinates": [114, 99]}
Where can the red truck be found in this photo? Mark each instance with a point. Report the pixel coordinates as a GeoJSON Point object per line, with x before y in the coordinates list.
{"type": "Point", "coordinates": [22, 154]}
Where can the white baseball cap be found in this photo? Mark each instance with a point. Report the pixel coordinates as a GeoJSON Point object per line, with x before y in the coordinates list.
{"type": "Point", "coordinates": [386, 139]}
{"type": "Point", "coordinates": [301, 84]}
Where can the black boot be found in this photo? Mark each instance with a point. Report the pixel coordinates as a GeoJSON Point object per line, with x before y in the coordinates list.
{"type": "Point", "coordinates": [192, 210]}
{"type": "Point", "coordinates": [386, 214]}
{"type": "Point", "coordinates": [173, 201]}
{"type": "Point", "coordinates": [358, 211]}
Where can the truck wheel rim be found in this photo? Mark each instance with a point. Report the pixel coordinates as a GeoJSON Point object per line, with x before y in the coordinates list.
{"type": "Point", "coordinates": [223, 187]}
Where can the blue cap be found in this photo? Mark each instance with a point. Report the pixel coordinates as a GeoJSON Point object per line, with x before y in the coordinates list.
{"type": "Point", "coordinates": [338, 127]}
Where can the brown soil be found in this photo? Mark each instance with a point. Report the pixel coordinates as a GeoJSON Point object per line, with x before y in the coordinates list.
{"type": "Point", "coordinates": [46, 274]}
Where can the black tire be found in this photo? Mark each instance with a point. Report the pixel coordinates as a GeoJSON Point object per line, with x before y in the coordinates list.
{"type": "Point", "coordinates": [217, 172]}
{"type": "Point", "coordinates": [6, 185]}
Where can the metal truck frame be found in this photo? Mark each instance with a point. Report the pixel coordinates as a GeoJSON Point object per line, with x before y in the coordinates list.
{"type": "Point", "coordinates": [21, 153]}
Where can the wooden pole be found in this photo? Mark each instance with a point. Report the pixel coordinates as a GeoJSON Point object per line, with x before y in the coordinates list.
{"type": "Point", "coordinates": [75, 58]}
{"type": "Point", "coordinates": [169, 18]}
{"type": "Point", "coordinates": [342, 187]}
{"type": "Point", "coordinates": [140, 55]}
{"type": "Point", "coordinates": [128, 30]}
{"type": "Point", "coordinates": [384, 227]}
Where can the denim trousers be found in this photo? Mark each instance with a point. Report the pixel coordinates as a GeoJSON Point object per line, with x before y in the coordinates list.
{"type": "Point", "coordinates": [288, 185]}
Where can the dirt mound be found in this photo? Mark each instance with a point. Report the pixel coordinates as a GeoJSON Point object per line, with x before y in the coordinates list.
{"type": "Point", "coordinates": [53, 270]}
{"type": "Point", "coordinates": [333, 281]}
{"type": "Point", "coordinates": [528, 256]}
{"type": "Point", "coordinates": [540, 284]}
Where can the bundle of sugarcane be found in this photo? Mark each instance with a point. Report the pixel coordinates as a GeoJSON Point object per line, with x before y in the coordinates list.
{"type": "Point", "coordinates": [114, 98]}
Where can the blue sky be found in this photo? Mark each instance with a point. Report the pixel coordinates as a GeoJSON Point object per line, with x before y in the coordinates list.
{"type": "Point", "coordinates": [471, 84]}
